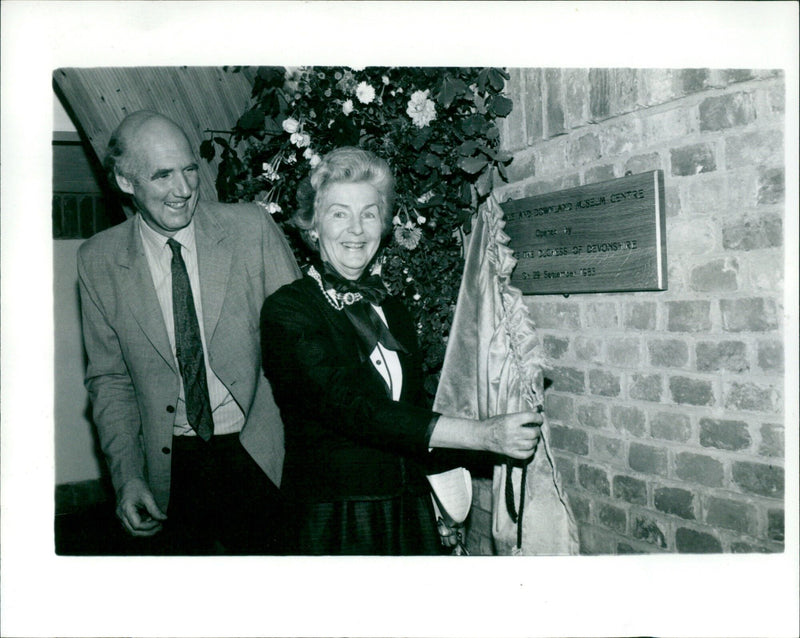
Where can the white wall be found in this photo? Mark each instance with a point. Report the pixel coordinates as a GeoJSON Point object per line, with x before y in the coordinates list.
{"type": "Point", "coordinates": [76, 459]}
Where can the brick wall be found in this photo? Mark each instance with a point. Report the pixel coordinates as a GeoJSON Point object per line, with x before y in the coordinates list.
{"type": "Point", "coordinates": [666, 407]}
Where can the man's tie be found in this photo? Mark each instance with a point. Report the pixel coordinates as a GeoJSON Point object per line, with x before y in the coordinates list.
{"type": "Point", "coordinates": [189, 348]}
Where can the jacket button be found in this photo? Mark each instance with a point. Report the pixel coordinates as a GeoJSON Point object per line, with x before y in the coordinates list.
{"type": "Point", "coordinates": [170, 409]}
{"type": "Point", "coordinates": [165, 450]}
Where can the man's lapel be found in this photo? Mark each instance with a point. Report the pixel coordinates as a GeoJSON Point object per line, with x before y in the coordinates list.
{"type": "Point", "coordinates": [136, 286]}
{"type": "Point", "coordinates": [214, 255]}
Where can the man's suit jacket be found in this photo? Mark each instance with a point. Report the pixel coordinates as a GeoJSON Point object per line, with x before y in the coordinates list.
{"type": "Point", "coordinates": [132, 376]}
{"type": "Point", "coordinates": [345, 438]}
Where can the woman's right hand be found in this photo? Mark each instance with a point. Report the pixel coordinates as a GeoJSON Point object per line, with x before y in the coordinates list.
{"type": "Point", "coordinates": [515, 435]}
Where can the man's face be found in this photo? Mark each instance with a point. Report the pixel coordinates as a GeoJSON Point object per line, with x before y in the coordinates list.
{"type": "Point", "coordinates": [165, 181]}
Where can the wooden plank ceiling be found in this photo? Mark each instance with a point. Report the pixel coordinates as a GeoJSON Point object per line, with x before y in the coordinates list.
{"type": "Point", "coordinates": [198, 98]}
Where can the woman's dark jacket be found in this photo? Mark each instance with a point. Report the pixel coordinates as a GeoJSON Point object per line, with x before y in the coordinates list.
{"type": "Point", "coordinates": [345, 438]}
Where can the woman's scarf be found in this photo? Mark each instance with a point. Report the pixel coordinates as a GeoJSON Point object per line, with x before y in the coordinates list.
{"type": "Point", "coordinates": [369, 327]}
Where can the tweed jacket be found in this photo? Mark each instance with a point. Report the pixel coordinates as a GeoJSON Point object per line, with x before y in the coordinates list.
{"type": "Point", "coordinates": [131, 375]}
{"type": "Point", "coordinates": [345, 438]}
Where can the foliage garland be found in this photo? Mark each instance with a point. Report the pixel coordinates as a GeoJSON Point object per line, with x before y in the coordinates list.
{"type": "Point", "coordinates": [435, 126]}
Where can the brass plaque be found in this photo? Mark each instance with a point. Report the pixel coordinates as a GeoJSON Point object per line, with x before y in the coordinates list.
{"type": "Point", "coordinates": [603, 237]}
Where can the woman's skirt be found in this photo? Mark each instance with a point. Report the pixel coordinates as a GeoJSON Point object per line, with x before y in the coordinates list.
{"type": "Point", "coordinates": [400, 526]}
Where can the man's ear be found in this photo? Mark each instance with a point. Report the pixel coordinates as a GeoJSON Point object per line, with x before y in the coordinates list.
{"type": "Point", "coordinates": [125, 185]}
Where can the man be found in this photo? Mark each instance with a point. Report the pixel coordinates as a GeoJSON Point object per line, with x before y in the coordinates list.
{"type": "Point", "coordinates": [170, 304]}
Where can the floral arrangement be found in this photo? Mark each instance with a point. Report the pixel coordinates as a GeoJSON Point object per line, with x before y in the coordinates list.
{"type": "Point", "coordinates": [435, 126]}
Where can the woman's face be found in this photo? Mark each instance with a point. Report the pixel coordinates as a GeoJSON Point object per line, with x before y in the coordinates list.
{"type": "Point", "coordinates": [350, 226]}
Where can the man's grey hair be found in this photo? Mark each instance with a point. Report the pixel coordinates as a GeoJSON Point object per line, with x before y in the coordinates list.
{"type": "Point", "coordinates": [119, 160]}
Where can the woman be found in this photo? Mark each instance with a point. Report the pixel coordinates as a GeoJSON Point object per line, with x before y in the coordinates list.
{"type": "Point", "coordinates": [344, 366]}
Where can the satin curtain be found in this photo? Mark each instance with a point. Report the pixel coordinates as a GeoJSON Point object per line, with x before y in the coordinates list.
{"type": "Point", "coordinates": [493, 366]}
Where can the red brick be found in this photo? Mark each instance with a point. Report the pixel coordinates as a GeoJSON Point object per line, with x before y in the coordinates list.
{"type": "Point", "coordinates": [614, 518]}
{"type": "Point", "coordinates": [668, 353]}
{"type": "Point", "coordinates": [772, 440]}
{"type": "Point", "coordinates": [726, 111]}
{"type": "Point", "coordinates": [647, 529]}
{"type": "Point", "coordinates": [771, 187]}
{"type": "Point", "coordinates": [593, 479]}
{"type": "Point", "coordinates": [561, 316]}
{"type": "Point", "coordinates": [720, 275]}
{"type": "Point", "coordinates": [753, 314]}
{"type": "Point", "coordinates": [583, 149]}
{"type": "Point", "coordinates": [628, 418]}
{"type": "Point", "coordinates": [673, 500]}
{"type": "Point", "coordinates": [608, 450]}
{"type": "Point", "coordinates": [604, 383]}
{"type": "Point", "coordinates": [671, 426]}
{"type": "Point", "coordinates": [567, 380]}
{"type": "Point", "coordinates": [731, 514]}
{"type": "Point", "coordinates": [640, 315]}
{"type": "Point", "coordinates": [697, 468]}
{"type": "Point", "coordinates": [630, 489]}
{"type": "Point", "coordinates": [554, 347]}
{"type": "Point", "coordinates": [689, 541]}
{"type": "Point", "coordinates": [592, 415]}
{"type": "Point", "coordinates": [692, 159]}
{"type": "Point", "coordinates": [623, 351]}
{"type": "Point", "coordinates": [558, 407]}
{"type": "Point", "coordinates": [724, 434]}
{"type": "Point", "coordinates": [602, 315]}
{"type": "Point", "coordinates": [758, 478]}
{"type": "Point", "coordinates": [569, 439]}
{"type": "Point", "coordinates": [729, 356]}
{"type": "Point", "coordinates": [753, 397]}
{"type": "Point", "coordinates": [643, 163]}
{"type": "Point", "coordinates": [688, 391]}
{"type": "Point", "coordinates": [754, 149]}
{"type": "Point", "coordinates": [688, 316]}
{"type": "Point", "coordinates": [753, 233]}
{"type": "Point", "coordinates": [646, 387]}
{"type": "Point", "coordinates": [554, 101]}
{"type": "Point", "coordinates": [648, 459]}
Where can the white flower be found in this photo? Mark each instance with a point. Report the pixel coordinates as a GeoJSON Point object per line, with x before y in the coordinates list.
{"type": "Point", "coordinates": [266, 166]}
{"type": "Point", "coordinates": [421, 110]}
{"type": "Point", "coordinates": [365, 93]}
{"type": "Point", "coordinates": [290, 125]}
{"type": "Point", "coordinates": [421, 219]}
{"type": "Point", "coordinates": [416, 296]}
{"type": "Point", "coordinates": [308, 153]}
{"type": "Point", "coordinates": [425, 197]}
{"type": "Point", "coordinates": [315, 160]}
{"type": "Point", "coordinates": [396, 221]}
{"type": "Point", "coordinates": [300, 140]}
{"type": "Point", "coordinates": [385, 80]}
{"type": "Point", "coordinates": [408, 236]}
{"type": "Point", "coordinates": [270, 207]}
{"type": "Point", "coordinates": [347, 107]}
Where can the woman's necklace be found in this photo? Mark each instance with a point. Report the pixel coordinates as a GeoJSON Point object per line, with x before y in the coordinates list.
{"type": "Point", "coordinates": [336, 299]}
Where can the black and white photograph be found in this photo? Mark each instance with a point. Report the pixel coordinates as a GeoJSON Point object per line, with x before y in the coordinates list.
{"type": "Point", "coordinates": [400, 319]}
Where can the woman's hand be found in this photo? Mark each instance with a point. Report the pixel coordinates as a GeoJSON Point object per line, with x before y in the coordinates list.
{"type": "Point", "coordinates": [515, 435]}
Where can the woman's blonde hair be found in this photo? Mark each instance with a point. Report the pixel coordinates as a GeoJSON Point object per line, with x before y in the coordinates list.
{"type": "Point", "coordinates": [346, 164]}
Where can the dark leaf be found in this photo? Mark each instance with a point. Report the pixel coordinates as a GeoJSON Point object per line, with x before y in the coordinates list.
{"type": "Point", "coordinates": [466, 194]}
{"type": "Point", "coordinates": [451, 89]}
{"type": "Point", "coordinates": [468, 148]}
{"type": "Point", "coordinates": [432, 160]}
{"type": "Point", "coordinates": [472, 165]}
{"type": "Point", "coordinates": [272, 76]}
{"type": "Point", "coordinates": [501, 168]}
{"type": "Point", "coordinates": [207, 150]}
{"type": "Point", "coordinates": [253, 120]}
{"type": "Point", "coordinates": [497, 79]}
{"type": "Point", "coordinates": [420, 138]}
{"type": "Point", "coordinates": [492, 133]}
{"type": "Point", "coordinates": [501, 106]}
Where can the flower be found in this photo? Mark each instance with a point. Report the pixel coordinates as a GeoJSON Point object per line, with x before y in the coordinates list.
{"type": "Point", "coordinates": [365, 93]}
{"type": "Point", "coordinates": [421, 219]}
{"type": "Point", "coordinates": [396, 221]}
{"type": "Point", "coordinates": [290, 125]}
{"type": "Point", "coordinates": [270, 207]}
{"type": "Point", "coordinates": [308, 153]}
{"type": "Point", "coordinates": [421, 110]}
{"type": "Point", "coordinates": [425, 197]}
{"type": "Point", "coordinates": [347, 107]}
{"type": "Point", "coordinates": [385, 80]}
{"type": "Point", "coordinates": [300, 140]}
{"type": "Point", "coordinates": [315, 160]}
{"type": "Point", "coordinates": [408, 236]}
